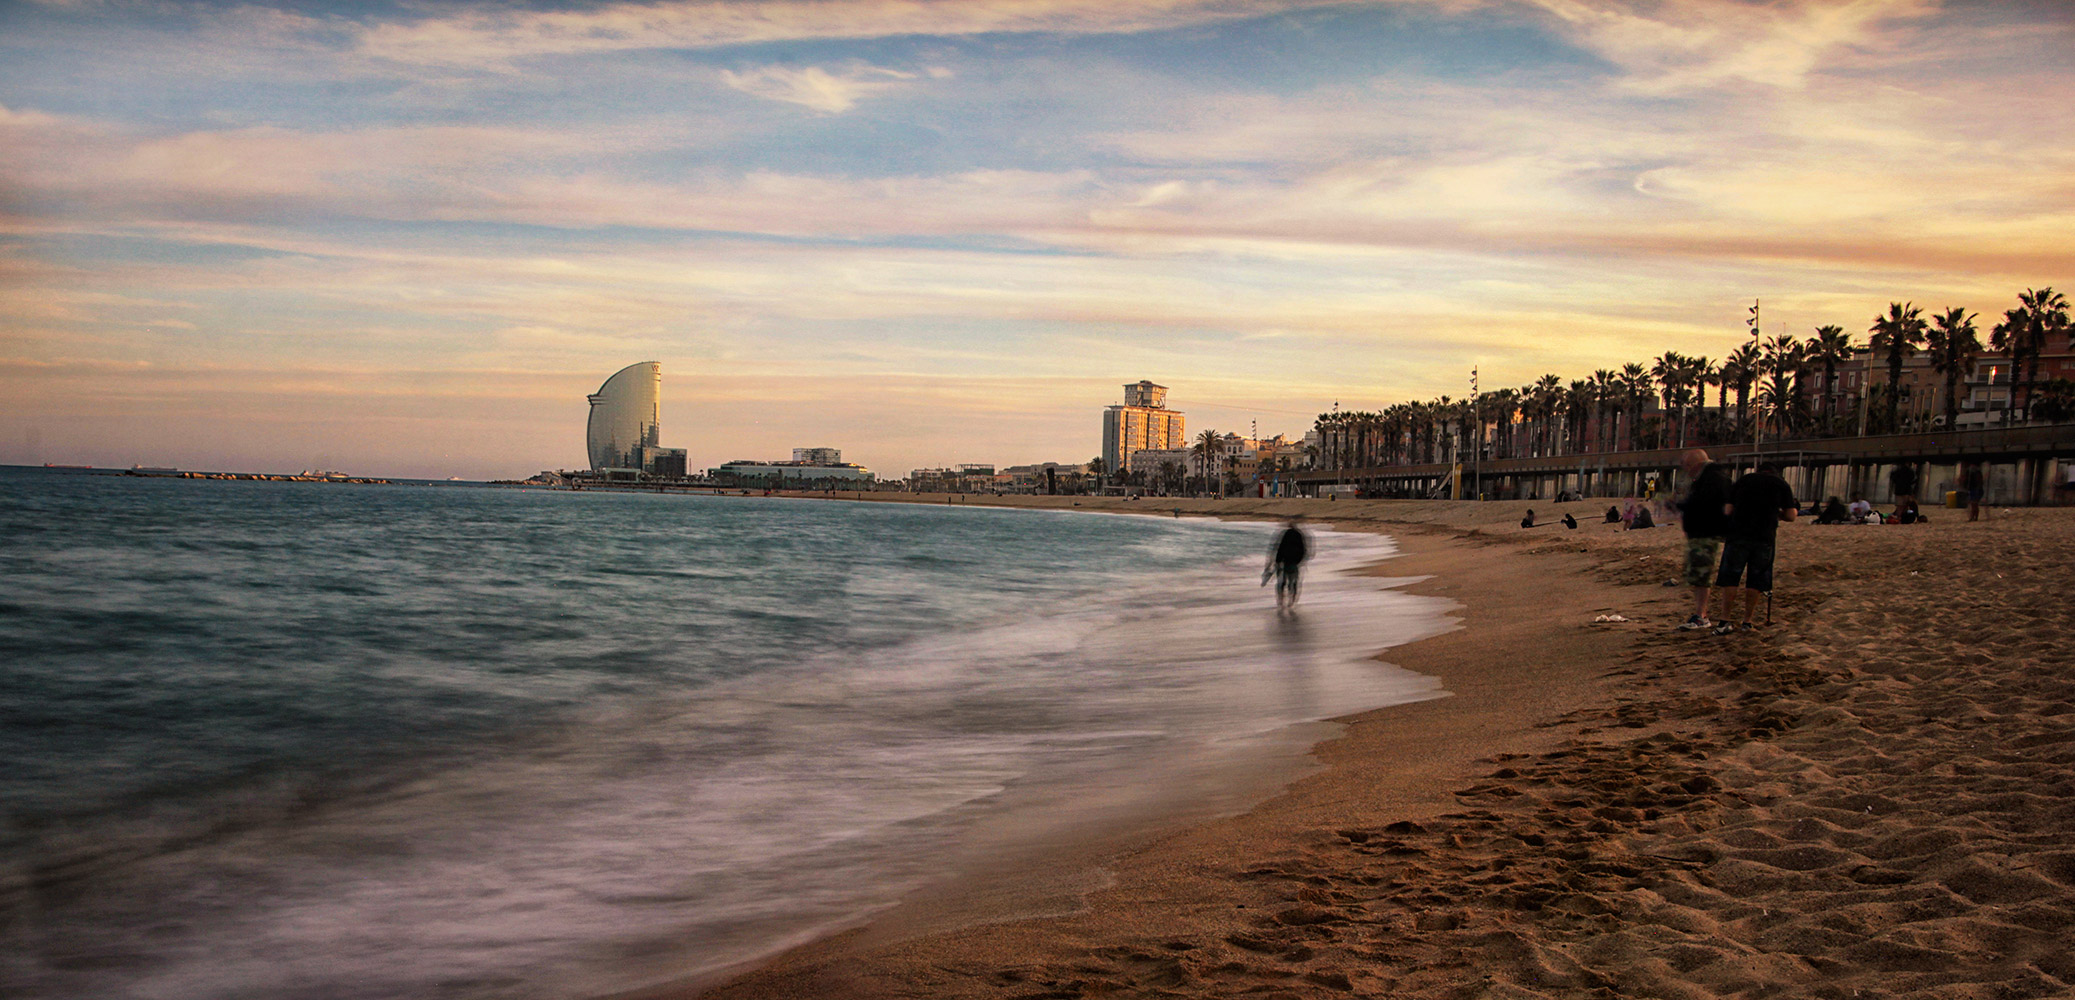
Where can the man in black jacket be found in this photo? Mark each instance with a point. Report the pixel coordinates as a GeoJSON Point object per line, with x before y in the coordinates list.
{"type": "Point", "coordinates": [1701, 514]}
{"type": "Point", "coordinates": [1757, 504]}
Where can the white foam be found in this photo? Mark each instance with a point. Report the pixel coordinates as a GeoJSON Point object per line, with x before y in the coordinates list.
{"type": "Point", "coordinates": [693, 835]}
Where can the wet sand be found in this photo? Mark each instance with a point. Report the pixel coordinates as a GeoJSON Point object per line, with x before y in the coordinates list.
{"type": "Point", "coordinates": [1870, 797]}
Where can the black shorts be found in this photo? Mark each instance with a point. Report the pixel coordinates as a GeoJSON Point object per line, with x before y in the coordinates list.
{"type": "Point", "coordinates": [1748, 563]}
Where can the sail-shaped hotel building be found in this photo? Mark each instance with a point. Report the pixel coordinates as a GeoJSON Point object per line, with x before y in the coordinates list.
{"type": "Point", "coordinates": [624, 431]}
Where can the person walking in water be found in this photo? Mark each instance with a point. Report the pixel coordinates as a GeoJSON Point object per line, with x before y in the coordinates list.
{"type": "Point", "coordinates": [1283, 562]}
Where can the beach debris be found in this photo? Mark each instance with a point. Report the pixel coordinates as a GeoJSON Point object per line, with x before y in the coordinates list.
{"type": "Point", "coordinates": [1610, 618]}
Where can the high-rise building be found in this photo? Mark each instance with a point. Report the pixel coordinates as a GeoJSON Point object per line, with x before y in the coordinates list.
{"type": "Point", "coordinates": [818, 456]}
{"type": "Point", "coordinates": [1143, 422]}
{"type": "Point", "coordinates": [624, 416]}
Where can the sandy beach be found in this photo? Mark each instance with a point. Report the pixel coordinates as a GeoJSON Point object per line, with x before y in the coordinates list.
{"type": "Point", "coordinates": [1869, 797]}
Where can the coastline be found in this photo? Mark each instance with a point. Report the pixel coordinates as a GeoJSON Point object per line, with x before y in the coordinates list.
{"type": "Point", "coordinates": [1814, 809]}
{"type": "Point", "coordinates": [1409, 755]}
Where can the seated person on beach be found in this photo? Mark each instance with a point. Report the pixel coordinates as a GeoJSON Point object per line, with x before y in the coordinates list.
{"type": "Point", "coordinates": [1529, 520]}
{"type": "Point", "coordinates": [1906, 512]}
{"type": "Point", "coordinates": [1642, 519]}
{"type": "Point", "coordinates": [1859, 508]}
{"type": "Point", "coordinates": [1833, 513]}
{"type": "Point", "coordinates": [1614, 514]}
{"type": "Point", "coordinates": [1569, 521]}
{"type": "Point", "coordinates": [1757, 504]}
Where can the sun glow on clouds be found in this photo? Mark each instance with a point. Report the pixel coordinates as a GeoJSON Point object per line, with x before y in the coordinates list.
{"type": "Point", "coordinates": [818, 88]}
{"type": "Point", "coordinates": [995, 208]}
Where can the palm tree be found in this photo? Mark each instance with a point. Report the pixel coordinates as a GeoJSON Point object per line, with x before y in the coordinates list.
{"type": "Point", "coordinates": [2024, 331]}
{"type": "Point", "coordinates": [1705, 374]}
{"type": "Point", "coordinates": [1670, 372]}
{"type": "Point", "coordinates": [1604, 384]}
{"type": "Point", "coordinates": [1830, 347]}
{"type": "Point", "coordinates": [1782, 356]}
{"type": "Point", "coordinates": [1896, 336]}
{"type": "Point", "coordinates": [1171, 475]}
{"type": "Point", "coordinates": [1777, 400]}
{"type": "Point", "coordinates": [1503, 405]}
{"type": "Point", "coordinates": [1954, 346]}
{"type": "Point", "coordinates": [1548, 394]}
{"type": "Point", "coordinates": [1579, 400]}
{"type": "Point", "coordinates": [1208, 445]}
{"type": "Point", "coordinates": [1633, 388]}
{"type": "Point", "coordinates": [1740, 369]}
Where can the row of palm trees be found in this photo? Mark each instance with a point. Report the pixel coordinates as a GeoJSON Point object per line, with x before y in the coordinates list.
{"type": "Point", "coordinates": [1784, 386]}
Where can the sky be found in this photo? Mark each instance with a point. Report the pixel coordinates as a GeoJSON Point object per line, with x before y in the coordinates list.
{"type": "Point", "coordinates": [408, 238]}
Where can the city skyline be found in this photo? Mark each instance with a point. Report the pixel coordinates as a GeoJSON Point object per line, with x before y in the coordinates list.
{"type": "Point", "coordinates": [406, 240]}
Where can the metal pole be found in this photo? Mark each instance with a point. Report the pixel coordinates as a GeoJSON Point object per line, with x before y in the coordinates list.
{"type": "Point", "coordinates": [1476, 445]}
{"type": "Point", "coordinates": [1757, 340]}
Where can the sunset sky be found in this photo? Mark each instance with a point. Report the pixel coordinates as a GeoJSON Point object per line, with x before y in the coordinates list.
{"type": "Point", "coordinates": [408, 238]}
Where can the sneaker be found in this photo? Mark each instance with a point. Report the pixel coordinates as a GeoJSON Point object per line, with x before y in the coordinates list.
{"type": "Point", "coordinates": [1724, 628]}
{"type": "Point", "coordinates": [1695, 623]}
{"type": "Point", "coordinates": [1747, 627]}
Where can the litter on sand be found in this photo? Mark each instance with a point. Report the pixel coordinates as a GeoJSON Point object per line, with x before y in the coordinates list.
{"type": "Point", "coordinates": [1610, 618]}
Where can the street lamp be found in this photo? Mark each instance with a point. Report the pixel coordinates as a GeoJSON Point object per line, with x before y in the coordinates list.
{"type": "Point", "coordinates": [1757, 419]}
{"type": "Point", "coordinates": [1477, 442]}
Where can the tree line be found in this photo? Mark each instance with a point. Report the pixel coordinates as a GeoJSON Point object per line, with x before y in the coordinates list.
{"type": "Point", "coordinates": [1785, 387]}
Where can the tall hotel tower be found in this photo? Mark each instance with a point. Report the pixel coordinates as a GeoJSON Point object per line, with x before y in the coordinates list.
{"type": "Point", "coordinates": [624, 414]}
{"type": "Point", "coordinates": [1144, 421]}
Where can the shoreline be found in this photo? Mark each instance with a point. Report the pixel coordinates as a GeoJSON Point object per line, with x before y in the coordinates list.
{"type": "Point", "coordinates": [1816, 809]}
{"type": "Point", "coordinates": [1106, 862]}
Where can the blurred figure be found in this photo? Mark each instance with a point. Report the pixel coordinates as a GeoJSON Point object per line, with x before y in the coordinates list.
{"type": "Point", "coordinates": [1902, 483]}
{"type": "Point", "coordinates": [1284, 562]}
{"type": "Point", "coordinates": [1702, 516]}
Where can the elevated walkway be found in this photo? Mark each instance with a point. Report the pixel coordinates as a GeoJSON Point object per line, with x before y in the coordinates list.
{"type": "Point", "coordinates": [2021, 456]}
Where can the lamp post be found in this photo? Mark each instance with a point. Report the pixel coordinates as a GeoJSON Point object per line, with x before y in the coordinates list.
{"type": "Point", "coordinates": [1477, 439]}
{"type": "Point", "coordinates": [1757, 420]}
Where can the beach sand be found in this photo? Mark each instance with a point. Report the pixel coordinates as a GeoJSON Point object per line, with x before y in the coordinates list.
{"type": "Point", "coordinates": [1873, 796]}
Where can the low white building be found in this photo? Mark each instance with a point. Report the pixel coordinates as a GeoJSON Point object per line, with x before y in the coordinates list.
{"type": "Point", "coordinates": [750, 472]}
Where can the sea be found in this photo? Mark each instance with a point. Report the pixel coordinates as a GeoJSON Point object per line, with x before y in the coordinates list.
{"type": "Point", "coordinates": [310, 740]}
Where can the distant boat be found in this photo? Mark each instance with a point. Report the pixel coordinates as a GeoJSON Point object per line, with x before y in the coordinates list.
{"type": "Point", "coordinates": [54, 465]}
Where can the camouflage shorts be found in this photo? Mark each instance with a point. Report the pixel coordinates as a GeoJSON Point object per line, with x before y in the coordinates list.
{"type": "Point", "coordinates": [1701, 556]}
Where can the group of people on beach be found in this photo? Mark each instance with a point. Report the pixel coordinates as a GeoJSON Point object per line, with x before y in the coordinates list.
{"type": "Point", "coordinates": [1731, 533]}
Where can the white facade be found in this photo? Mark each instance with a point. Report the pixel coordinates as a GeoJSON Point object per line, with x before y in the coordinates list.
{"type": "Point", "coordinates": [1149, 460]}
{"type": "Point", "coordinates": [793, 471]}
{"type": "Point", "coordinates": [625, 412]}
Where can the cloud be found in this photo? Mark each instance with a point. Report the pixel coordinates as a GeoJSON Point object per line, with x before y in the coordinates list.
{"type": "Point", "coordinates": [493, 38]}
{"type": "Point", "coordinates": [815, 87]}
{"type": "Point", "coordinates": [1674, 46]}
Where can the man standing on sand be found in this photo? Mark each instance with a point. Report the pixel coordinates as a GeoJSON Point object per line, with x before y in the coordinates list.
{"type": "Point", "coordinates": [1975, 482]}
{"type": "Point", "coordinates": [1902, 483]}
{"type": "Point", "coordinates": [1701, 515]}
{"type": "Point", "coordinates": [1283, 562]}
{"type": "Point", "coordinates": [1757, 504]}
